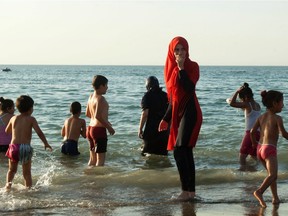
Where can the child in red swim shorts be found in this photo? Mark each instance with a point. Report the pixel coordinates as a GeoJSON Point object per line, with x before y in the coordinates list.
{"type": "Point", "coordinates": [271, 125]}
{"type": "Point", "coordinates": [97, 111]}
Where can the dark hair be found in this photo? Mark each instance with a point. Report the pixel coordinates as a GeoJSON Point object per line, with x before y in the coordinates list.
{"type": "Point", "coordinates": [24, 103]}
{"type": "Point", "coordinates": [269, 97]}
{"type": "Point", "coordinates": [5, 104]}
{"type": "Point", "coordinates": [152, 83]}
{"type": "Point", "coordinates": [75, 108]}
{"type": "Point", "coordinates": [245, 91]}
{"type": "Point", "coordinates": [99, 80]}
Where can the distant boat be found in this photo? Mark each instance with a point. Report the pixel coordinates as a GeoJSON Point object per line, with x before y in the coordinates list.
{"type": "Point", "coordinates": [6, 69]}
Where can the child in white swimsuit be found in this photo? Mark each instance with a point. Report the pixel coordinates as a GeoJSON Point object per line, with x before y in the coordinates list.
{"type": "Point", "coordinates": [252, 111]}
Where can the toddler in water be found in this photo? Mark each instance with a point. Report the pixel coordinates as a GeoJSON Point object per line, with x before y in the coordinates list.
{"type": "Point", "coordinates": [19, 149]}
{"type": "Point", "coordinates": [270, 125]}
{"type": "Point", "coordinates": [72, 129]}
{"type": "Point", "coordinates": [6, 113]}
{"type": "Point", "coordinates": [252, 111]}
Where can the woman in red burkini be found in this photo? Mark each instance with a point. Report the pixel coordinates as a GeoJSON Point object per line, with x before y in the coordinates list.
{"type": "Point", "coordinates": [184, 113]}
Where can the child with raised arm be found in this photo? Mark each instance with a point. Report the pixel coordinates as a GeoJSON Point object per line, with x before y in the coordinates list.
{"type": "Point", "coordinates": [252, 111]}
{"type": "Point", "coordinates": [72, 129]}
{"type": "Point", "coordinates": [20, 149]}
{"type": "Point", "coordinates": [270, 125]}
{"type": "Point", "coordinates": [97, 111]}
{"type": "Point", "coordinates": [6, 113]}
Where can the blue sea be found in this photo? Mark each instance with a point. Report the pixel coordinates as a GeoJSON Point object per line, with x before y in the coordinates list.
{"type": "Point", "coordinates": [67, 186]}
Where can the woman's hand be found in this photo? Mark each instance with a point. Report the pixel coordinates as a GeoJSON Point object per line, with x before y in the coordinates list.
{"type": "Point", "coordinates": [180, 62]}
{"type": "Point", "coordinates": [140, 134]}
{"type": "Point", "coordinates": [163, 125]}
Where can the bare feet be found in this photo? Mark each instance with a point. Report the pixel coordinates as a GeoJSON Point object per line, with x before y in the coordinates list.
{"type": "Point", "coordinates": [8, 185]}
{"type": "Point", "coordinates": [184, 196]}
{"type": "Point", "coordinates": [258, 195]}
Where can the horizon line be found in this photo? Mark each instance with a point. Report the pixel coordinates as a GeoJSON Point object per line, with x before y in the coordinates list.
{"type": "Point", "coordinates": [139, 65]}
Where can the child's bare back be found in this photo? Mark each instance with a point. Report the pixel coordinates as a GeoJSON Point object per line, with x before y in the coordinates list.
{"type": "Point", "coordinates": [97, 110]}
{"type": "Point", "coordinates": [21, 128]}
{"type": "Point", "coordinates": [73, 128]}
{"type": "Point", "coordinates": [270, 124]}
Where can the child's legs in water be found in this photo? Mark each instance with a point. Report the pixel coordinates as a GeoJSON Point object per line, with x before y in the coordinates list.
{"type": "Point", "coordinates": [271, 165]}
{"type": "Point", "coordinates": [11, 173]}
{"type": "Point", "coordinates": [242, 160]}
{"type": "Point", "coordinates": [100, 159]}
{"type": "Point", "coordinates": [93, 158]}
{"type": "Point", "coordinates": [101, 150]}
{"type": "Point", "coordinates": [92, 144]}
{"type": "Point", "coordinates": [272, 168]}
{"type": "Point", "coordinates": [247, 149]}
{"type": "Point", "coordinates": [26, 169]}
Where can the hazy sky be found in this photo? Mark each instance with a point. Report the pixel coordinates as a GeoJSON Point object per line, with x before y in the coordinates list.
{"type": "Point", "coordinates": [134, 32]}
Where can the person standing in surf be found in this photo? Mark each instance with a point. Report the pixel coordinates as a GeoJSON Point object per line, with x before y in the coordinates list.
{"type": "Point", "coordinates": [271, 125]}
{"type": "Point", "coordinates": [6, 113]}
{"type": "Point", "coordinates": [184, 112]}
{"type": "Point", "coordinates": [97, 110]}
{"type": "Point", "coordinates": [20, 150]}
{"type": "Point", "coordinates": [154, 104]}
{"type": "Point", "coordinates": [73, 127]}
{"type": "Point", "coordinates": [252, 111]}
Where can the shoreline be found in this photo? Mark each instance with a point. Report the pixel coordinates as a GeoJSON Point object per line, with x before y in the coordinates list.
{"type": "Point", "coordinates": [159, 209]}
{"type": "Point", "coordinates": [216, 200]}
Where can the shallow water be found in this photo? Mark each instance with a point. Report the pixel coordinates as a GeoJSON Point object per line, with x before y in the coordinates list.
{"type": "Point", "coordinates": [66, 185]}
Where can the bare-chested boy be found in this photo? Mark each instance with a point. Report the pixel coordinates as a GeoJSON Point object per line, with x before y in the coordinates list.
{"type": "Point", "coordinates": [97, 111]}
{"type": "Point", "coordinates": [20, 150]}
{"type": "Point", "coordinates": [72, 129]}
{"type": "Point", "coordinates": [270, 125]}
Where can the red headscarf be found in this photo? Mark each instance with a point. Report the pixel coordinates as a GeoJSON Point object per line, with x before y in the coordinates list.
{"type": "Point", "coordinates": [176, 94]}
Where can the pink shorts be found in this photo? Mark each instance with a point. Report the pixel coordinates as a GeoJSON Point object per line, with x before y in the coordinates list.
{"type": "Point", "coordinates": [13, 152]}
{"type": "Point", "coordinates": [19, 152]}
{"type": "Point", "coordinates": [265, 151]}
{"type": "Point", "coordinates": [246, 145]}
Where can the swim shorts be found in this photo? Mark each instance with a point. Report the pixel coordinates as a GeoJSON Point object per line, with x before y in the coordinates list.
{"type": "Point", "coordinates": [265, 151]}
{"type": "Point", "coordinates": [97, 138]}
{"type": "Point", "coordinates": [246, 145]}
{"type": "Point", "coordinates": [70, 147]}
{"type": "Point", "coordinates": [19, 152]}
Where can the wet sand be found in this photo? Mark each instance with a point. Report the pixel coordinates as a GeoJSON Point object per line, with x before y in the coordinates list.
{"type": "Point", "coordinates": [164, 209]}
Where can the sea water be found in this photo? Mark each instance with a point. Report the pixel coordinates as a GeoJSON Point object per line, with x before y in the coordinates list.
{"type": "Point", "coordinates": [65, 185]}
